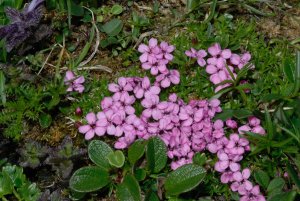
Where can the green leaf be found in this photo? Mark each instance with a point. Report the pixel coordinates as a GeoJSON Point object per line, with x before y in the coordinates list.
{"type": "Point", "coordinates": [297, 74]}
{"type": "Point", "coordinates": [116, 9]}
{"type": "Point", "coordinates": [98, 152]}
{"type": "Point", "coordinates": [76, 10]}
{"type": "Point", "coordinates": [74, 195]}
{"type": "Point", "coordinates": [286, 196]}
{"type": "Point", "coordinates": [269, 122]}
{"type": "Point", "coordinates": [151, 196]}
{"type": "Point", "coordinates": [184, 179]}
{"type": "Point", "coordinates": [45, 120]}
{"type": "Point", "coordinates": [271, 97]}
{"type": "Point", "coordinates": [29, 192]}
{"type": "Point", "coordinates": [136, 151]}
{"type": "Point", "coordinates": [2, 88]}
{"type": "Point", "coordinates": [241, 113]}
{"type": "Point", "coordinates": [288, 68]}
{"type": "Point", "coordinates": [113, 27]}
{"type": "Point", "coordinates": [199, 159]}
{"type": "Point", "coordinates": [3, 52]}
{"type": "Point", "coordinates": [225, 114]}
{"type": "Point", "coordinates": [116, 158]}
{"type": "Point", "coordinates": [276, 184]}
{"type": "Point", "coordinates": [212, 11]}
{"type": "Point", "coordinates": [156, 155]}
{"type": "Point", "coordinates": [16, 175]}
{"type": "Point", "coordinates": [140, 174]}
{"type": "Point", "coordinates": [89, 179]}
{"type": "Point", "coordinates": [192, 4]}
{"type": "Point", "coordinates": [262, 178]}
{"type": "Point", "coordinates": [6, 184]}
{"type": "Point", "coordinates": [293, 174]}
{"type": "Point", "coordinates": [129, 189]}
{"type": "Point", "coordinates": [86, 48]}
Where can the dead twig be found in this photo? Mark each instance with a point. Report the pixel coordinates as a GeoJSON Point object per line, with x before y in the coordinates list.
{"type": "Point", "coordinates": [142, 36]}
{"type": "Point", "coordinates": [96, 67]}
{"type": "Point", "coordinates": [97, 40]}
{"type": "Point", "coordinates": [45, 62]}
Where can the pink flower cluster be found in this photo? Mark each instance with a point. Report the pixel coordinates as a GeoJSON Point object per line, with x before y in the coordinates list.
{"type": "Point", "coordinates": [73, 82]}
{"type": "Point", "coordinates": [156, 57]}
{"type": "Point", "coordinates": [185, 128]}
{"type": "Point", "coordinates": [230, 153]}
{"type": "Point", "coordinates": [253, 126]}
{"type": "Point", "coordinates": [218, 62]}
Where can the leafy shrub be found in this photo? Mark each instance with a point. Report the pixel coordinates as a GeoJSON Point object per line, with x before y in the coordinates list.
{"type": "Point", "coordinates": [107, 172]}
{"type": "Point", "coordinates": [13, 183]}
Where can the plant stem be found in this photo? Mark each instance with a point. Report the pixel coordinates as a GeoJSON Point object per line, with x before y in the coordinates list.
{"type": "Point", "coordinates": [69, 13]}
{"type": "Point", "coordinates": [17, 195]}
{"type": "Point", "coordinates": [4, 199]}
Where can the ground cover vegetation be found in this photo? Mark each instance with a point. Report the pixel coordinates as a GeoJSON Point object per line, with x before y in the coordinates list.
{"type": "Point", "coordinates": [149, 100]}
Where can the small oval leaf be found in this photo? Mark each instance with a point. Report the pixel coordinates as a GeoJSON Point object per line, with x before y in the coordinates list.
{"type": "Point", "coordinates": [156, 155]}
{"type": "Point", "coordinates": [89, 179]}
{"type": "Point", "coordinates": [98, 152]}
{"type": "Point", "coordinates": [116, 158]}
{"type": "Point", "coordinates": [184, 179]}
{"type": "Point", "coordinates": [262, 178]}
{"type": "Point", "coordinates": [129, 189]}
{"type": "Point", "coordinates": [136, 151]}
{"type": "Point", "coordinates": [113, 27]}
{"type": "Point", "coordinates": [276, 184]}
{"type": "Point", "coordinates": [116, 9]}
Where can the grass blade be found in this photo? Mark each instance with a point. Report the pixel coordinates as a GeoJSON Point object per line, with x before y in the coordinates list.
{"type": "Point", "coordinates": [212, 11]}
{"type": "Point", "coordinates": [2, 88]}
{"type": "Point", "coordinates": [293, 135]}
{"type": "Point", "coordinates": [297, 74]}
{"type": "Point", "coordinates": [270, 126]}
{"type": "Point", "coordinates": [86, 48]}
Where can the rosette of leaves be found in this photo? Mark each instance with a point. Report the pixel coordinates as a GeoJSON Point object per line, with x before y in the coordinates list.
{"type": "Point", "coordinates": [13, 183]}
{"type": "Point", "coordinates": [144, 169]}
{"type": "Point", "coordinates": [32, 153]}
{"type": "Point", "coordinates": [61, 158]}
{"type": "Point", "coordinates": [24, 27]}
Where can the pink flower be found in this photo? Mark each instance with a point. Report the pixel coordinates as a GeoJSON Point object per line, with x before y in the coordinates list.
{"type": "Point", "coordinates": [253, 121]}
{"type": "Point", "coordinates": [123, 85]}
{"type": "Point", "coordinates": [259, 130]}
{"type": "Point", "coordinates": [78, 111]}
{"type": "Point", "coordinates": [241, 184]}
{"type": "Point", "coordinates": [93, 127]}
{"type": "Point", "coordinates": [231, 123]}
{"type": "Point", "coordinates": [253, 195]}
{"type": "Point", "coordinates": [150, 53]}
{"type": "Point", "coordinates": [227, 177]}
{"type": "Point", "coordinates": [167, 50]}
{"type": "Point", "coordinates": [191, 53]}
{"type": "Point", "coordinates": [200, 57]}
{"type": "Point", "coordinates": [124, 141]}
{"type": "Point", "coordinates": [243, 129]}
{"type": "Point", "coordinates": [151, 110]}
{"type": "Point", "coordinates": [235, 59]}
{"type": "Point", "coordinates": [165, 79]}
{"type": "Point", "coordinates": [156, 66]}
{"type": "Point", "coordinates": [245, 58]}
{"type": "Point", "coordinates": [74, 83]}
{"type": "Point", "coordinates": [236, 145]}
{"type": "Point", "coordinates": [145, 88]}
{"type": "Point", "coordinates": [219, 55]}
